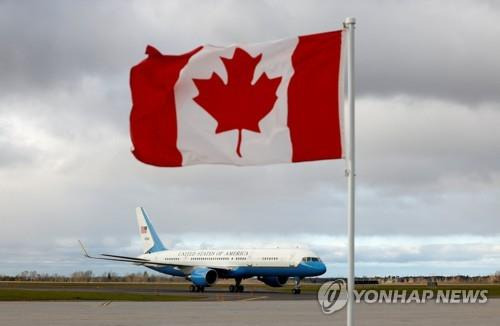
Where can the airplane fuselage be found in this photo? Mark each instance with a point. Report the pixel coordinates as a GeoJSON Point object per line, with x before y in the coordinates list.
{"type": "Point", "coordinates": [239, 263]}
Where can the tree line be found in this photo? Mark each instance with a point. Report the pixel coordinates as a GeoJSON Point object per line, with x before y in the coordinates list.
{"type": "Point", "coordinates": [86, 276]}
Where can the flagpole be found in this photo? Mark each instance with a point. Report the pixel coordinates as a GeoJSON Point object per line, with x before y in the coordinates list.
{"type": "Point", "coordinates": [349, 25]}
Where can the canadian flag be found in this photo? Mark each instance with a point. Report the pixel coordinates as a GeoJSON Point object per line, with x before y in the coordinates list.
{"type": "Point", "coordinates": [249, 104]}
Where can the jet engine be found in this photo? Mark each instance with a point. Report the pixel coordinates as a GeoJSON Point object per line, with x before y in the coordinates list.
{"type": "Point", "coordinates": [202, 276]}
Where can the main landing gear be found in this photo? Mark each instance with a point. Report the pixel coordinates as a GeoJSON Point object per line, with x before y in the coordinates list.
{"type": "Point", "coordinates": [196, 288]}
{"type": "Point", "coordinates": [237, 287]}
{"type": "Point", "coordinates": [296, 288]}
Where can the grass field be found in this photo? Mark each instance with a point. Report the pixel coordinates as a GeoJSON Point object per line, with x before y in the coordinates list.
{"type": "Point", "coordinates": [55, 295]}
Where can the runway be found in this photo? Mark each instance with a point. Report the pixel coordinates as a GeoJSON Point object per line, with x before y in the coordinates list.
{"type": "Point", "coordinates": [242, 312]}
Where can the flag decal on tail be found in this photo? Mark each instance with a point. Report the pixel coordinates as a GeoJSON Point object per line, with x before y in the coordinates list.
{"type": "Point", "coordinates": [150, 240]}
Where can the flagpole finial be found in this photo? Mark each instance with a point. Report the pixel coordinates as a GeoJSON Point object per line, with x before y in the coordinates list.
{"type": "Point", "coordinates": [350, 20]}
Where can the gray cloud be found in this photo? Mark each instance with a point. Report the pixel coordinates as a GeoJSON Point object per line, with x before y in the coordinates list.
{"type": "Point", "coordinates": [13, 155]}
{"type": "Point", "coordinates": [444, 50]}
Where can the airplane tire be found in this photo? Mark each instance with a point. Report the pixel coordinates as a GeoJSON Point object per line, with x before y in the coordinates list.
{"type": "Point", "coordinates": [192, 288]}
{"type": "Point", "coordinates": [232, 288]}
{"type": "Point", "coordinates": [296, 291]}
{"type": "Point", "coordinates": [241, 288]}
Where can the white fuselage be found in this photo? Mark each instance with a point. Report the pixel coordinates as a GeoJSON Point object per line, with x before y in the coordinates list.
{"type": "Point", "coordinates": [231, 258]}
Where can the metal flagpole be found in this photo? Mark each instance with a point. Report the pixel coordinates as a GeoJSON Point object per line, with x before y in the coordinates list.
{"type": "Point", "coordinates": [349, 25]}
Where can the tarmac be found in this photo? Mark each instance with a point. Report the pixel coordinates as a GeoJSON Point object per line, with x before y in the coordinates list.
{"type": "Point", "coordinates": [245, 311]}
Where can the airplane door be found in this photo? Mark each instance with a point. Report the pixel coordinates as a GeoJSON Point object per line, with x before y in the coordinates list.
{"type": "Point", "coordinates": [291, 260]}
{"type": "Point", "coordinates": [250, 259]}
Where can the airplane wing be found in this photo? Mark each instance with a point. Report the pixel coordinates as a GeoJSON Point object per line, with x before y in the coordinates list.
{"type": "Point", "coordinates": [124, 257]}
{"type": "Point", "coordinates": [134, 260]}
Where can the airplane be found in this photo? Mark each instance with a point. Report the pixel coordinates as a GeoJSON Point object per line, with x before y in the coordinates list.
{"type": "Point", "coordinates": [203, 268]}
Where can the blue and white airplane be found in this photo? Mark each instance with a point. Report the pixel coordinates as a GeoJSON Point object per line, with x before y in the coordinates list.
{"type": "Point", "coordinates": [204, 267]}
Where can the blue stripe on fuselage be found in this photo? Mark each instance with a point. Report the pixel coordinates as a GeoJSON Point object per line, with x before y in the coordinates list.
{"type": "Point", "coordinates": [302, 270]}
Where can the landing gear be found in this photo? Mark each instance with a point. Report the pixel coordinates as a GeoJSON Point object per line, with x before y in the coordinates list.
{"type": "Point", "coordinates": [237, 287]}
{"type": "Point", "coordinates": [296, 288]}
{"type": "Point", "coordinates": [193, 288]}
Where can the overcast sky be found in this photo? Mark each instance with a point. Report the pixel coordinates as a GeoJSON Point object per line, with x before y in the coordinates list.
{"type": "Point", "coordinates": [428, 138]}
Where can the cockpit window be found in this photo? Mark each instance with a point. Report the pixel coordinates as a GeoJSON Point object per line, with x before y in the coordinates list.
{"type": "Point", "coordinates": [306, 259]}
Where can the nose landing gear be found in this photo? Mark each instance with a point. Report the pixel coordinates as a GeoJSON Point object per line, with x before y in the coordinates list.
{"type": "Point", "coordinates": [296, 288]}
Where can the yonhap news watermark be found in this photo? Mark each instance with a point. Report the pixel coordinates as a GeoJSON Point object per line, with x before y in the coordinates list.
{"type": "Point", "coordinates": [333, 295]}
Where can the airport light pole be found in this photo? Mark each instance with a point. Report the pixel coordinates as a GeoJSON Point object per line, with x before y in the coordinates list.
{"type": "Point", "coordinates": [349, 25]}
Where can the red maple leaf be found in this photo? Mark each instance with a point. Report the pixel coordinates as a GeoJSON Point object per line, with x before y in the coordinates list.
{"type": "Point", "coordinates": [239, 104]}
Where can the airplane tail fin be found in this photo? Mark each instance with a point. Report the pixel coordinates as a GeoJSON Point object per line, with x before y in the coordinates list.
{"type": "Point", "coordinates": [150, 239]}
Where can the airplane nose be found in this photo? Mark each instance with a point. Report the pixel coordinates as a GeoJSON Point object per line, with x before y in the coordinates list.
{"type": "Point", "coordinates": [321, 268]}
{"type": "Point", "coordinates": [317, 268]}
